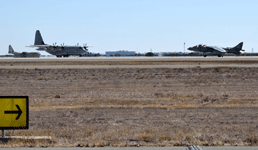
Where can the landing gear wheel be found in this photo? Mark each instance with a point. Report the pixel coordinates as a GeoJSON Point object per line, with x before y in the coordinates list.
{"type": "Point", "coordinates": [204, 55]}
{"type": "Point", "coordinates": [218, 55]}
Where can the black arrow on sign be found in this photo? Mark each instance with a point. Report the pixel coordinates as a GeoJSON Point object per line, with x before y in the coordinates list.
{"type": "Point", "coordinates": [19, 112]}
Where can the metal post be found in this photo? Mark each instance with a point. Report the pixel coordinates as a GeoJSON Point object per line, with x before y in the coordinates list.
{"type": "Point", "coordinates": [137, 52]}
{"type": "Point", "coordinates": [3, 134]}
{"type": "Point", "coordinates": [184, 49]}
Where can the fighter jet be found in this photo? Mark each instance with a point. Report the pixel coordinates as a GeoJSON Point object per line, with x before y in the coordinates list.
{"type": "Point", "coordinates": [22, 54]}
{"type": "Point", "coordinates": [215, 50]}
{"type": "Point", "coordinates": [59, 51]}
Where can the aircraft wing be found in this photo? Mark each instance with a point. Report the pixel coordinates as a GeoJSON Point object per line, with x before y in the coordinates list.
{"type": "Point", "coordinates": [40, 46]}
{"type": "Point", "coordinates": [217, 49]}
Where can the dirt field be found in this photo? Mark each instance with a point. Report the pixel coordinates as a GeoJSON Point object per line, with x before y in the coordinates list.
{"type": "Point", "coordinates": [137, 107]}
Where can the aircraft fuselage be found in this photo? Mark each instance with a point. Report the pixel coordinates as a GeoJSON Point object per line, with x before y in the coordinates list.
{"type": "Point", "coordinates": [65, 50]}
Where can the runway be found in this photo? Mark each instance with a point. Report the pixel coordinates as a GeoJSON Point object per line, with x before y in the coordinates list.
{"type": "Point", "coordinates": [187, 58]}
{"type": "Point", "coordinates": [127, 62]}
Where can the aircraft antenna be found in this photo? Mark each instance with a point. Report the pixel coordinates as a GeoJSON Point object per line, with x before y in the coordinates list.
{"type": "Point", "coordinates": [184, 48]}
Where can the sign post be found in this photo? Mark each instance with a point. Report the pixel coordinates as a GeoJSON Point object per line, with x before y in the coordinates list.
{"type": "Point", "coordinates": [14, 113]}
{"type": "Point", "coordinates": [3, 134]}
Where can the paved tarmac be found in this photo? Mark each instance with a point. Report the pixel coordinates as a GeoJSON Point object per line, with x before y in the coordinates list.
{"type": "Point", "coordinates": [139, 148]}
{"type": "Point", "coordinates": [187, 58]}
{"type": "Point", "coordinates": [120, 66]}
{"type": "Point", "coordinates": [228, 58]}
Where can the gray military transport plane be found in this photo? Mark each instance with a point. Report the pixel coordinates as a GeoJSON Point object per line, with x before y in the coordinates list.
{"type": "Point", "coordinates": [59, 51]}
{"type": "Point", "coordinates": [22, 54]}
{"type": "Point", "coordinates": [215, 50]}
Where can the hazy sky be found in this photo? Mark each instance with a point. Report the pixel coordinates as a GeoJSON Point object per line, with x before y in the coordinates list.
{"type": "Point", "coordinates": [110, 25]}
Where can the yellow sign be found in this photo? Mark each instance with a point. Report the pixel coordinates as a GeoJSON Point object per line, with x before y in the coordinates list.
{"type": "Point", "coordinates": [14, 112]}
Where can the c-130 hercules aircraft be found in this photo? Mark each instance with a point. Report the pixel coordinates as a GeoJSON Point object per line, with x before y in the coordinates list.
{"type": "Point", "coordinates": [59, 51]}
{"type": "Point", "coordinates": [215, 50]}
{"type": "Point", "coordinates": [22, 54]}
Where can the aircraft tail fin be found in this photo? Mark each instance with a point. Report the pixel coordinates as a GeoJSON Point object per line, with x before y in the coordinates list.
{"type": "Point", "coordinates": [239, 46]}
{"type": "Point", "coordinates": [38, 39]}
{"type": "Point", "coordinates": [10, 49]}
{"type": "Point", "coordinates": [236, 50]}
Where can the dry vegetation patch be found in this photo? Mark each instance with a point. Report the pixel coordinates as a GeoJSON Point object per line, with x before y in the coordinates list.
{"type": "Point", "coordinates": [137, 107]}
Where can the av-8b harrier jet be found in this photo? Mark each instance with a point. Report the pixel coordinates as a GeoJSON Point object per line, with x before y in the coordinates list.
{"type": "Point", "coordinates": [59, 51]}
{"type": "Point", "coordinates": [215, 50]}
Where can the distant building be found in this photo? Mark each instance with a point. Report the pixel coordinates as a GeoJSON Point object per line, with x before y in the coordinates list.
{"type": "Point", "coordinates": [120, 53]}
{"type": "Point", "coordinates": [172, 54]}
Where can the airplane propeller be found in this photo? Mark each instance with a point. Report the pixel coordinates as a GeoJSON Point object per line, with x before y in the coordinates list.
{"type": "Point", "coordinates": [62, 46]}
{"type": "Point", "coordinates": [55, 46]}
{"type": "Point", "coordinates": [85, 46]}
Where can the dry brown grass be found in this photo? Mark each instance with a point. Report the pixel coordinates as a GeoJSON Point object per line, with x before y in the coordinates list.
{"type": "Point", "coordinates": [164, 138]}
{"type": "Point", "coordinates": [180, 103]}
{"type": "Point", "coordinates": [125, 137]}
{"type": "Point", "coordinates": [137, 107]}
